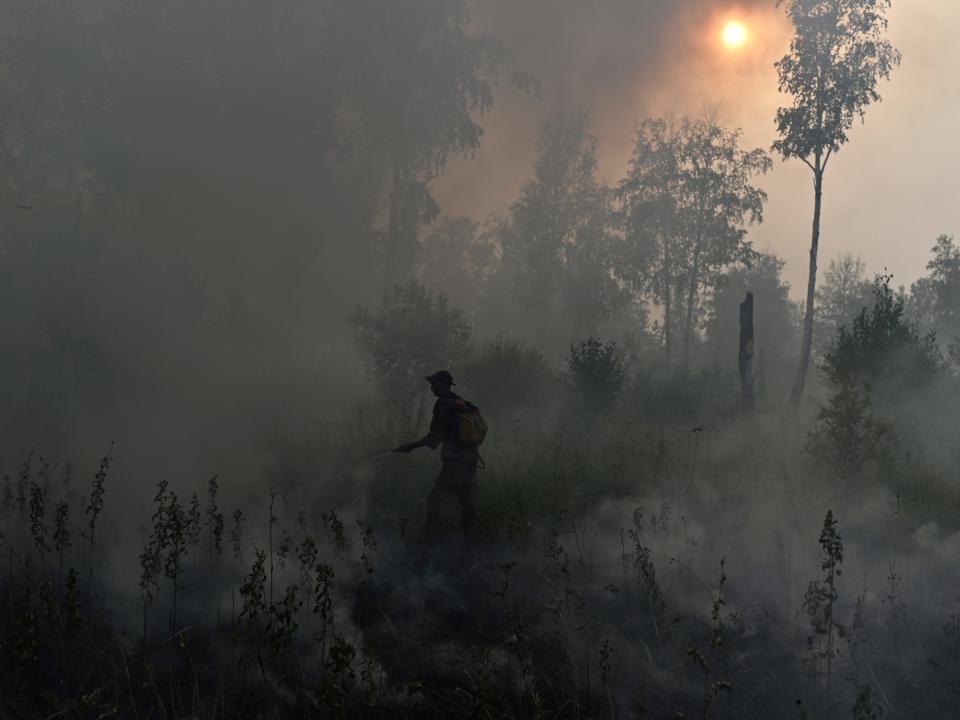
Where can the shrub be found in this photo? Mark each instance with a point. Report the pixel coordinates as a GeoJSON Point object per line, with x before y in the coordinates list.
{"type": "Point", "coordinates": [876, 370]}
{"type": "Point", "coordinates": [506, 375]}
{"type": "Point", "coordinates": [846, 432]}
{"type": "Point", "coordinates": [596, 375]}
{"type": "Point", "coordinates": [666, 394]}
{"type": "Point", "coordinates": [883, 348]}
{"type": "Point", "coordinates": [820, 600]}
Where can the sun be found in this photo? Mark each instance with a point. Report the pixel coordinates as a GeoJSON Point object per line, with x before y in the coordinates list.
{"type": "Point", "coordinates": [734, 34]}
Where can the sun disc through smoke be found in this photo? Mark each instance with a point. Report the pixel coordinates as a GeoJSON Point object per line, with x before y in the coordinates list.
{"type": "Point", "coordinates": [734, 34]}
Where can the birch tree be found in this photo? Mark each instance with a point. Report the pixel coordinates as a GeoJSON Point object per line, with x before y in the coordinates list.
{"type": "Point", "coordinates": [837, 57]}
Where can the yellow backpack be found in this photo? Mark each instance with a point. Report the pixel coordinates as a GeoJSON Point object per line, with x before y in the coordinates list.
{"type": "Point", "coordinates": [471, 427]}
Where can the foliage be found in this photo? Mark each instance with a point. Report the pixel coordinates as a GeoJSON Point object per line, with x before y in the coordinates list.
{"type": "Point", "coordinates": [643, 563]}
{"type": "Point", "coordinates": [820, 600]}
{"type": "Point", "coordinates": [507, 376]}
{"type": "Point", "coordinates": [935, 298]}
{"type": "Point", "coordinates": [883, 348]}
{"type": "Point", "coordinates": [706, 660]}
{"type": "Point", "coordinates": [412, 334]}
{"type": "Point", "coordinates": [953, 355]}
{"type": "Point", "coordinates": [844, 292]}
{"type": "Point", "coordinates": [457, 257]}
{"type": "Point", "coordinates": [875, 369]}
{"type": "Point", "coordinates": [416, 78]}
{"type": "Point", "coordinates": [866, 708]}
{"type": "Point", "coordinates": [95, 503]}
{"type": "Point", "coordinates": [596, 375]}
{"type": "Point", "coordinates": [214, 521]}
{"type": "Point", "coordinates": [568, 627]}
{"type": "Point", "coordinates": [687, 200]}
{"type": "Point", "coordinates": [847, 433]}
{"type": "Point", "coordinates": [837, 56]}
{"type": "Point", "coordinates": [558, 239]}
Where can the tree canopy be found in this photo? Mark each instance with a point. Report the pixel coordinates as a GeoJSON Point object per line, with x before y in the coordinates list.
{"type": "Point", "coordinates": [837, 57]}
{"type": "Point", "coordinates": [688, 198]}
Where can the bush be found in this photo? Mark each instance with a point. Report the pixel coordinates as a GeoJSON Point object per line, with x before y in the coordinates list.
{"type": "Point", "coordinates": [669, 394]}
{"type": "Point", "coordinates": [883, 348]}
{"type": "Point", "coordinates": [876, 370]}
{"type": "Point", "coordinates": [596, 375]}
{"type": "Point", "coordinates": [505, 375]}
{"type": "Point", "coordinates": [846, 433]}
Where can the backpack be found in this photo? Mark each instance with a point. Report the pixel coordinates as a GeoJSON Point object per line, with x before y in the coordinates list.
{"type": "Point", "coordinates": [471, 427]}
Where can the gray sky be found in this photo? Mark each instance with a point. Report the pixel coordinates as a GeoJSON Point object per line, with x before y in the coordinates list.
{"type": "Point", "coordinates": [888, 193]}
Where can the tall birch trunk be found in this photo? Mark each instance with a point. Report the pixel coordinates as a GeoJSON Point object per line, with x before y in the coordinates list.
{"type": "Point", "coordinates": [807, 341]}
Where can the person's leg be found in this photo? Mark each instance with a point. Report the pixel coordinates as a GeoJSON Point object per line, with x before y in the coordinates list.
{"type": "Point", "coordinates": [433, 521]}
{"type": "Point", "coordinates": [468, 502]}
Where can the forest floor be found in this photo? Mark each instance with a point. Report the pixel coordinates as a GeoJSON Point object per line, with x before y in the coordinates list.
{"type": "Point", "coordinates": [650, 571]}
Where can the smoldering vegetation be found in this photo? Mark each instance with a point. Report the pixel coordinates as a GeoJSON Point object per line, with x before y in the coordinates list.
{"type": "Point", "coordinates": [226, 275]}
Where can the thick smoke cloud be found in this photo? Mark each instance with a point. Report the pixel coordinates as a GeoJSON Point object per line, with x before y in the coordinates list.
{"type": "Point", "coordinates": [189, 227]}
{"type": "Point", "coordinates": [616, 60]}
{"type": "Point", "coordinates": [622, 61]}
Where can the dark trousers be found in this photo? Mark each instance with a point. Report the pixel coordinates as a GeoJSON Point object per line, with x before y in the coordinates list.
{"type": "Point", "coordinates": [457, 479]}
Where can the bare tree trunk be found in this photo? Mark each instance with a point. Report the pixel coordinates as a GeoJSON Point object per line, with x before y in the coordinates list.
{"type": "Point", "coordinates": [667, 323]}
{"type": "Point", "coordinates": [807, 341]}
{"type": "Point", "coordinates": [667, 305]}
{"type": "Point", "coordinates": [746, 354]}
{"type": "Point", "coordinates": [691, 300]}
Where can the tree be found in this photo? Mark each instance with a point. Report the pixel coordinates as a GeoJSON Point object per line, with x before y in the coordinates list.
{"type": "Point", "coordinates": [595, 375]}
{"type": "Point", "coordinates": [558, 240]}
{"type": "Point", "coordinates": [774, 320]}
{"type": "Point", "coordinates": [689, 197]}
{"type": "Point", "coordinates": [456, 258]}
{"type": "Point", "coordinates": [716, 177]}
{"type": "Point", "coordinates": [883, 348]}
{"type": "Point", "coordinates": [413, 333]}
{"type": "Point", "coordinates": [837, 57]}
{"type": "Point", "coordinates": [650, 194]}
{"type": "Point", "coordinates": [936, 297]}
{"type": "Point", "coordinates": [878, 368]}
{"type": "Point", "coordinates": [414, 80]}
{"type": "Point", "coordinates": [847, 432]}
{"type": "Point", "coordinates": [844, 293]}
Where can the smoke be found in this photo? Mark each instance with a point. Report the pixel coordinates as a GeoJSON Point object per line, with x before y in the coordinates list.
{"type": "Point", "coordinates": [574, 590]}
{"type": "Point", "coordinates": [622, 61]}
{"type": "Point", "coordinates": [619, 62]}
{"type": "Point", "coordinates": [187, 233]}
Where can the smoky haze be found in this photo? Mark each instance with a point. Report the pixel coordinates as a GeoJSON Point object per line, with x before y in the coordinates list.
{"type": "Point", "coordinates": [623, 61]}
{"type": "Point", "coordinates": [181, 167]}
{"type": "Point", "coordinates": [237, 234]}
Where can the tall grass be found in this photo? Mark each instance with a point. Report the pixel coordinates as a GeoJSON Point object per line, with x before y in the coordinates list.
{"type": "Point", "coordinates": [580, 602]}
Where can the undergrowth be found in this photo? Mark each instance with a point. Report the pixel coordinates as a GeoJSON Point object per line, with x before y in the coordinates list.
{"type": "Point", "coordinates": [593, 593]}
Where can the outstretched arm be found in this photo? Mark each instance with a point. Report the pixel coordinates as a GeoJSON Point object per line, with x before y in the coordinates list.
{"type": "Point", "coordinates": [430, 440]}
{"type": "Point", "coordinates": [409, 447]}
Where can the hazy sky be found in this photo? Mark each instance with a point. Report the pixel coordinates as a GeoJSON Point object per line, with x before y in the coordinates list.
{"type": "Point", "coordinates": [888, 193]}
